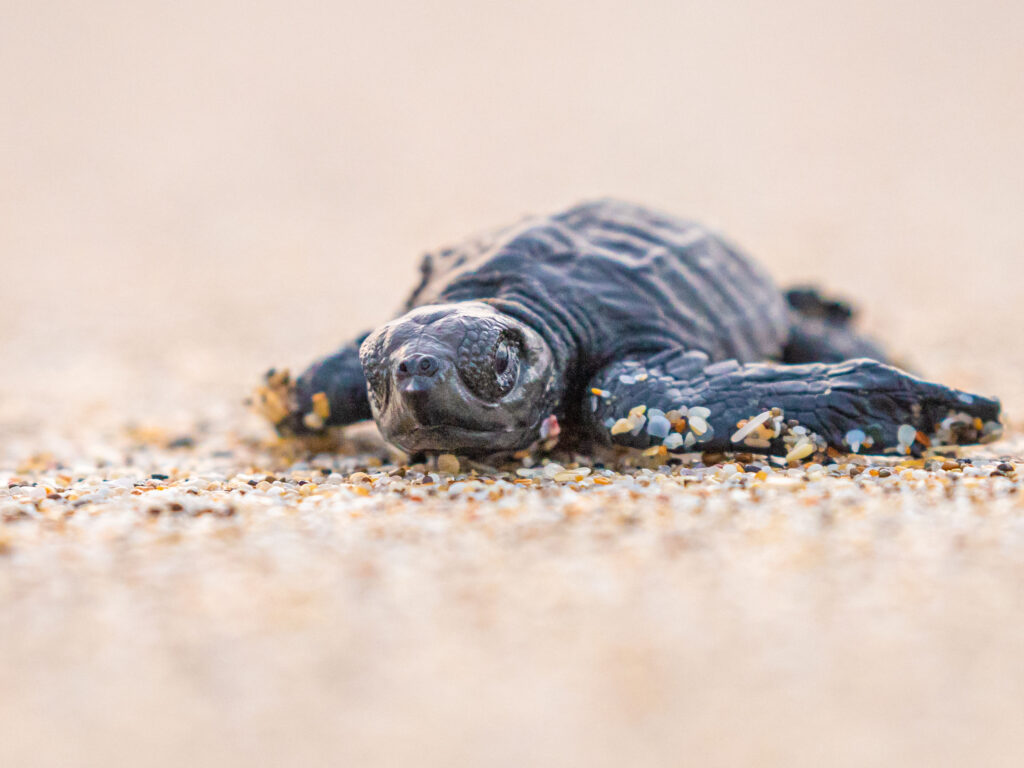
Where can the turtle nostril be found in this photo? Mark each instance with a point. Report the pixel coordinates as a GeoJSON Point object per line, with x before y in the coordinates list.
{"type": "Point", "coordinates": [418, 365]}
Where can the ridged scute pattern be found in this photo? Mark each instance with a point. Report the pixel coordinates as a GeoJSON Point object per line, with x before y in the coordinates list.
{"type": "Point", "coordinates": [606, 279]}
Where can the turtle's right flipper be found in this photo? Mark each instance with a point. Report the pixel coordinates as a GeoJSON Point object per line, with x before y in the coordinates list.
{"type": "Point", "coordinates": [330, 393]}
{"type": "Point", "coordinates": [681, 402]}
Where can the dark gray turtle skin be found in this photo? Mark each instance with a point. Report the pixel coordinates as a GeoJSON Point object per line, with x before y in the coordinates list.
{"type": "Point", "coordinates": [613, 324]}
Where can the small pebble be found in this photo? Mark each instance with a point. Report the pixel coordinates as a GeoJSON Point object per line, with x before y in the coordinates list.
{"type": "Point", "coordinates": [906, 435]}
{"type": "Point", "coordinates": [673, 441]}
{"type": "Point", "coordinates": [801, 451]}
{"type": "Point", "coordinates": [657, 424]}
{"type": "Point", "coordinates": [743, 432]}
{"type": "Point", "coordinates": [448, 463]}
{"type": "Point", "coordinates": [621, 427]}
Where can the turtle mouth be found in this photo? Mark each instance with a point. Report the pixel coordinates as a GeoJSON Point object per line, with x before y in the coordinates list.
{"type": "Point", "coordinates": [448, 417]}
{"type": "Point", "coordinates": [456, 439]}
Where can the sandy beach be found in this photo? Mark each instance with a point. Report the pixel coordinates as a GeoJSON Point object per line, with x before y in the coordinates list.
{"type": "Point", "coordinates": [192, 194]}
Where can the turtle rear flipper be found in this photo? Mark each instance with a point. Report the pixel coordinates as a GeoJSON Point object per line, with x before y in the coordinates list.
{"type": "Point", "coordinates": [813, 340]}
{"type": "Point", "coordinates": [677, 401]}
{"type": "Point", "coordinates": [810, 302]}
{"type": "Point", "coordinates": [822, 331]}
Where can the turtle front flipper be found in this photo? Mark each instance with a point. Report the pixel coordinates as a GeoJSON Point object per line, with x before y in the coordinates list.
{"type": "Point", "coordinates": [330, 393]}
{"type": "Point", "coordinates": [680, 402]}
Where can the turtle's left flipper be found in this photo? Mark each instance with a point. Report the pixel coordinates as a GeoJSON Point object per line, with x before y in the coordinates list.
{"type": "Point", "coordinates": [330, 393]}
{"type": "Point", "coordinates": [682, 402]}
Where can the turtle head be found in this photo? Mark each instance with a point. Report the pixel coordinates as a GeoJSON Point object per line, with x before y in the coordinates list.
{"type": "Point", "coordinates": [461, 378]}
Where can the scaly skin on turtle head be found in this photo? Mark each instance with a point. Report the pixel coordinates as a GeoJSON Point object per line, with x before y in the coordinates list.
{"type": "Point", "coordinates": [461, 378]}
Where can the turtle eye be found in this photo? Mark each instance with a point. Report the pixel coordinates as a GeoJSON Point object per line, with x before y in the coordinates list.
{"type": "Point", "coordinates": [501, 358]}
{"type": "Point", "coordinates": [489, 366]}
{"type": "Point", "coordinates": [506, 366]}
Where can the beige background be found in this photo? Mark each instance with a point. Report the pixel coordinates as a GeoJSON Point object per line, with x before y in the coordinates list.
{"type": "Point", "coordinates": [193, 190]}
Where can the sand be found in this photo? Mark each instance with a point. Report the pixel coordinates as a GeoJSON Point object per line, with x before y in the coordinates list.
{"type": "Point", "coordinates": [213, 598]}
{"type": "Point", "coordinates": [193, 194]}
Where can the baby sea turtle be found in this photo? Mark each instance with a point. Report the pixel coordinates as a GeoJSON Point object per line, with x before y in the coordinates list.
{"type": "Point", "coordinates": [613, 324]}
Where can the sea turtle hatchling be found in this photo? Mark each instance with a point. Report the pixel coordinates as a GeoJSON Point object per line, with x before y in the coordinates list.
{"type": "Point", "coordinates": [613, 324]}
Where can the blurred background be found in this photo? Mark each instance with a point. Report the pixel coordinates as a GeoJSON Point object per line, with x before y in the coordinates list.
{"type": "Point", "coordinates": [193, 191]}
